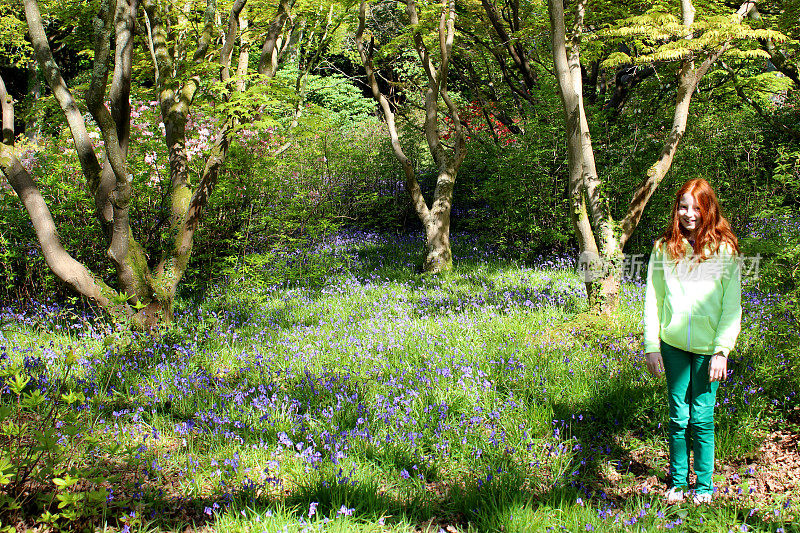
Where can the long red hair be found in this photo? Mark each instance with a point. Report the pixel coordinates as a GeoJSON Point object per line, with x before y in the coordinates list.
{"type": "Point", "coordinates": [713, 230]}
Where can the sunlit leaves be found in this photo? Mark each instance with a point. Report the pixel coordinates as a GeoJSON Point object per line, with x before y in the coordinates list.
{"type": "Point", "coordinates": [14, 48]}
{"type": "Point", "coordinates": [661, 36]}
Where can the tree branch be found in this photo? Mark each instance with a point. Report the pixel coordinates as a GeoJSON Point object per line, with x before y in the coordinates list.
{"type": "Point", "coordinates": [208, 29]}
{"type": "Point", "coordinates": [432, 92]}
{"type": "Point", "coordinates": [412, 185]}
{"type": "Point", "coordinates": [518, 55]}
{"type": "Point", "coordinates": [268, 63]}
{"type": "Point", "coordinates": [230, 39]}
{"type": "Point", "coordinates": [6, 114]}
{"type": "Point", "coordinates": [61, 263]}
{"type": "Point", "coordinates": [688, 79]}
{"type": "Point", "coordinates": [62, 94]}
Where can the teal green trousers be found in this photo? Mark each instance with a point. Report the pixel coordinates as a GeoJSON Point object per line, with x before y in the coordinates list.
{"type": "Point", "coordinates": [691, 416]}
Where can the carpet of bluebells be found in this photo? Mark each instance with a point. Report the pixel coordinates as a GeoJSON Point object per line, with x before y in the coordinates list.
{"type": "Point", "coordinates": [379, 399]}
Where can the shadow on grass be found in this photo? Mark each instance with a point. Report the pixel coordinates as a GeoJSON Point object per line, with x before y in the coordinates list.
{"type": "Point", "coordinates": [603, 428]}
{"type": "Point", "coordinates": [619, 408]}
{"type": "Point", "coordinates": [464, 503]}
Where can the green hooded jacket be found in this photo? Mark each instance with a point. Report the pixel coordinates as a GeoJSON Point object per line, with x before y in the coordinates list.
{"type": "Point", "coordinates": [693, 306]}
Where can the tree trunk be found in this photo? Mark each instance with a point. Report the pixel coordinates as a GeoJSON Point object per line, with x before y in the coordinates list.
{"type": "Point", "coordinates": [6, 115]}
{"type": "Point", "coordinates": [604, 270]}
{"type": "Point", "coordinates": [271, 50]}
{"type": "Point", "coordinates": [438, 257]}
{"type": "Point", "coordinates": [578, 151]}
{"type": "Point", "coordinates": [436, 219]}
{"type": "Point", "coordinates": [110, 184]}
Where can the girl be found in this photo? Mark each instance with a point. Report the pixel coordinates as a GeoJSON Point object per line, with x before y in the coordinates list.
{"type": "Point", "coordinates": [692, 316]}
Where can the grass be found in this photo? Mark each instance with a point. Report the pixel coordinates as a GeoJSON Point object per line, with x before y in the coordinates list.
{"type": "Point", "coordinates": [379, 399]}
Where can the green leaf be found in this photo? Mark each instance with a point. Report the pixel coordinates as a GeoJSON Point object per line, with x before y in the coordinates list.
{"type": "Point", "coordinates": [49, 518]}
{"type": "Point", "coordinates": [73, 397]}
{"type": "Point", "coordinates": [30, 400]}
{"type": "Point", "coordinates": [66, 481]}
{"type": "Point", "coordinates": [18, 383]}
{"type": "Point", "coordinates": [97, 495]}
{"type": "Point", "coordinates": [70, 430]}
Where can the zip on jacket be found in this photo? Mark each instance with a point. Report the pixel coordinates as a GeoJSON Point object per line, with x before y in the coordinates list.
{"type": "Point", "coordinates": [693, 306]}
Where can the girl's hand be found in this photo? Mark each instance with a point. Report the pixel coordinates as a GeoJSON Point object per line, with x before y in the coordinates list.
{"type": "Point", "coordinates": [655, 364]}
{"type": "Point", "coordinates": [718, 367]}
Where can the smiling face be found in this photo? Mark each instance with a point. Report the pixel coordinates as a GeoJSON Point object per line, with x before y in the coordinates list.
{"type": "Point", "coordinates": [689, 214]}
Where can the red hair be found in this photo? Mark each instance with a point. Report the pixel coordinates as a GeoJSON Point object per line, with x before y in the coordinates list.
{"type": "Point", "coordinates": [713, 231]}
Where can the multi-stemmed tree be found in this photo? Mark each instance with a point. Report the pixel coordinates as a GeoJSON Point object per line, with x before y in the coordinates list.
{"type": "Point", "coordinates": [436, 217]}
{"type": "Point", "coordinates": [697, 44]}
{"type": "Point", "coordinates": [184, 63]}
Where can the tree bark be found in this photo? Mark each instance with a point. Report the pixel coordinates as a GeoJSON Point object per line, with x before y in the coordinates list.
{"type": "Point", "coordinates": [110, 186]}
{"type": "Point", "coordinates": [604, 272]}
{"type": "Point", "coordinates": [6, 115]}
{"type": "Point", "coordinates": [270, 51]}
{"type": "Point", "coordinates": [436, 219]}
{"type": "Point", "coordinates": [208, 28]}
{"type": "Point", "coordinates": [187, 206]}
{"type": "Point", "coordinates": [579, 155]}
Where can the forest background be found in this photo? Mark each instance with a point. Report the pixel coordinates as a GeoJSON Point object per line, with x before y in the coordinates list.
{"type": "Point", "coordinates": [185, 150]}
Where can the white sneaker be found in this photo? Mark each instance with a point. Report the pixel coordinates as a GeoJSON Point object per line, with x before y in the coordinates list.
{"type": "Point", "coordinates": [701, 498]}
{"type": "Point", "coordinates": [674, 495]}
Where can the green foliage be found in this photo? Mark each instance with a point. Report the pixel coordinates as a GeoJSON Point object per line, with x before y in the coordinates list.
{"type": "Point", "coordinates": [44, 429]}
{"type": "Point", "coordinates": [279, 194]}
{"type": "Point", "coordinates": [14, 48]}
{"type": "Point", "coordinates": [338, 95]}
{"type": "Point", "coordinates": [515, 194]}
{"type": "Point", "coordinates": [659, 35]}
{"type": "Point", "coordinates": [779, 246]}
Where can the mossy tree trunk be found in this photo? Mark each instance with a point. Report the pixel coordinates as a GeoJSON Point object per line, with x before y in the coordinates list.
{"type": "Point", "coordinates": [143, 295]}
{"type": "Point", "coordinates": [601, 238]}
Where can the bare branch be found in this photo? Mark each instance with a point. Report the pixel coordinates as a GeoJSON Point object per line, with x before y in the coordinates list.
{"type": "Point", "coordinates": [62, 94]}
{"type": "Point", "coordinates": [151, 45]}
{"type": "Point", "coordinates": [158, 42]}
{"type": "Point", "coordinates": [208, 29]}
{"type": "Point", "coordinates": [97, 89]}
{"type": "Point", "coordinates": [244, 52]}
{"type": "Point", "coordinates": [412, 185]}
{"type": "Point", "coordinates": [432, 93]}
{"type": "Point", "coordinates": [6, 114]}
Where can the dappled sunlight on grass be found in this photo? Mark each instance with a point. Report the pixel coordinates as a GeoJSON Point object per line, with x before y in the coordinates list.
{"type": "Point", "coordinates": [384, 399]}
